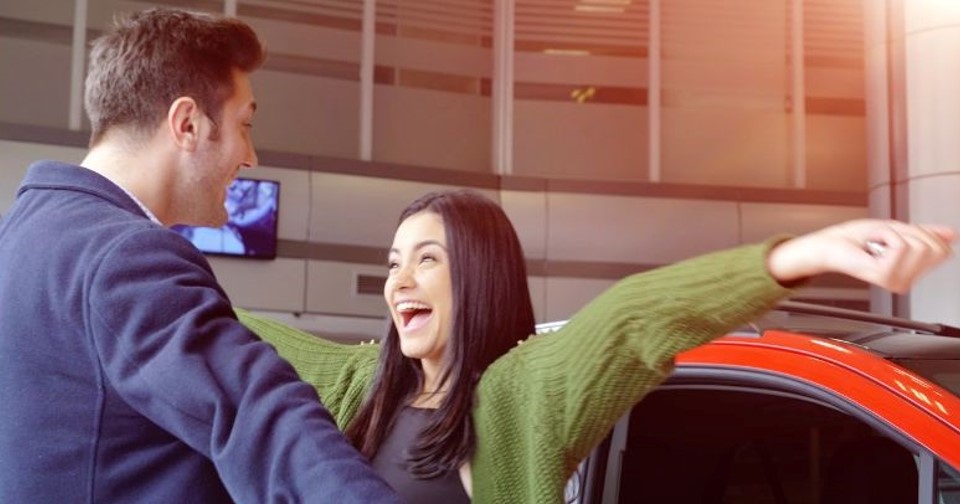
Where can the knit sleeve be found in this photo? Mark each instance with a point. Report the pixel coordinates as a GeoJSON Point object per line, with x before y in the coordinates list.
{"type": "Point", "coordinates": [550, 400]}
{"type": "Point", "coordinates": [341, 373]}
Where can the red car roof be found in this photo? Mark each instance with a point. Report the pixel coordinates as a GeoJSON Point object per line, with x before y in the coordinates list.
{"type": "Point", "coordinates": [922, 410]}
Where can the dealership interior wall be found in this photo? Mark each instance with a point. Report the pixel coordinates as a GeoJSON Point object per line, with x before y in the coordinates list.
{"type": "Point", "coordinates": [621, 137]}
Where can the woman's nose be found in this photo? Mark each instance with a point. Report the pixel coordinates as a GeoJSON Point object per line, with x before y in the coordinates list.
{"type": "Point", "coordinates": [401, 278]}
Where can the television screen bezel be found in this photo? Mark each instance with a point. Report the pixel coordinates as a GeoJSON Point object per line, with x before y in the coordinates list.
{"type": "Point", "coordinates": [274, 230]}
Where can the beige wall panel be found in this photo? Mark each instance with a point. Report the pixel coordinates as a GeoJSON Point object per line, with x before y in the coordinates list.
{"type": "Point", "coordinates": [636, 230]}
{"type": "Point", "coordinates": [881, 301]}
{"type": "Point", "coordinates": [875, 123]}
{"type": "Point", "coordinates": [306, 115]}
{"type": "Point", "coordinates": [528, 213]}
{"type": "Point", "coordinates": [725, 75]}
{"type": "Point", "coordinates": [294, 199]}
{"type": "Point", "coordinates": [831, 82]}
{"type": "Point", "coordinates": [874, 24]}
{"type": "Point", "coordinates": [936, 297]}
{"type": "Point", "coordinates": [564, 69]}
{"type": "Point", "coordinates": [879, 202]}
{"type": "Point", "coordinates": [15, 157]}
{"type": "Point", "coordinates": [354, 210]}
{"type": "Point", "coordinates": [933, 114]}
{"type": "Point", "coordinates": [332, 289]}
{"type": "Point", "coordinates": [725, 147]}
{"type": "Point", "coordinates": [35, 87]}
{"type": "Point", "coordinates": [566, 296]}
{"type": "Point", "coordinates": [763, 220]}
{"type": "Point", "coordinates": [100, 13]}
{"type": "Point", "coordinates": [431, 128]}
{"type": "Point", "coordinates": [922, 15]}
{"type": "Point", "coordinates": [454, 59]}
{"type": "Point", "coordinates": [836, 152]}
{"type": "Point", "coordinates": [298, 39]}
{"type": "Point", "coordinates": [265, 285]}
{"type": "Point", "coordinates": [41, 12]}
{"type": "Point", "coordinates": [538, 297]}
{"type": "Point", "coordinates": [570, 140]}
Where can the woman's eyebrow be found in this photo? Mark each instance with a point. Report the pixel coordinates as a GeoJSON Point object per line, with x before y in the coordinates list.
{"type": "Point", "coordinates": [420, 245]}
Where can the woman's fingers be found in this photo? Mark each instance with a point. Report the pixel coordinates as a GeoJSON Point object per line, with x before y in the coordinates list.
{"type": "Point", "coordinates": [934, 237]}
{"type": "Point", "coordinates": [946, 234]}
{"type": "Point", "coordinates": [908, 251]}
{"type": "Point", "coordinates": [890, 254]}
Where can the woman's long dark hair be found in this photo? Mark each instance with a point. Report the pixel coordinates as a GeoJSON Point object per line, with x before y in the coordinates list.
{"type": "Point", "coordinates": [491, 313]}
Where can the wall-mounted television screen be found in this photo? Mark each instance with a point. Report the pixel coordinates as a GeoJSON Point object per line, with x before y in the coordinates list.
{"type": "Point", "coordinates": [251, 228]}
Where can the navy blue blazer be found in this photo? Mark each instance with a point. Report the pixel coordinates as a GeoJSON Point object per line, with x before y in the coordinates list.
{"type": "Point", "coordinates": [125, 376]}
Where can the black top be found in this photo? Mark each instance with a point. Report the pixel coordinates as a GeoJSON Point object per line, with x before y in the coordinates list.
{"type": "Point", "coordinates": [390, 462]}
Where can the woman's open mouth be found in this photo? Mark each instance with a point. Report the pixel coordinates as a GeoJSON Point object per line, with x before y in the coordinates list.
{"type": "Point", "coordinates": [414, 314]}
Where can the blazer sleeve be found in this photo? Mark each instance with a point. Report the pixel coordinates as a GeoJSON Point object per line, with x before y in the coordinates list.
{"type": "Point", "coordinates": [170, 344]}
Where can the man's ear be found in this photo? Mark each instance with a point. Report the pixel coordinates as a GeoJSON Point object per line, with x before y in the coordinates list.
{"type": "Point", "coordinates": [184, 122]}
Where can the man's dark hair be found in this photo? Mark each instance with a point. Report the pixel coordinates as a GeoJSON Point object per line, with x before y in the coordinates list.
{"type": "Point", "coordinates": [151, 58]}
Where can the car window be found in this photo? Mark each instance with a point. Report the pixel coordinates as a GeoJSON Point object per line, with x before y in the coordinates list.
{"type": "Point", "coordinates": [948, 485]}
{"type": "Point", "coordinates": [943, 372]}
{"type": "Point", "coordinates": [732, 446]}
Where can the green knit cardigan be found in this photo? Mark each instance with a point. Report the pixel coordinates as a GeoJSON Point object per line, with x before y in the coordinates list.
{"type": "Point", "coordinates": [542, 407]}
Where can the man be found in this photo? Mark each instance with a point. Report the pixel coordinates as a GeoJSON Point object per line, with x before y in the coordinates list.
{"type": "Point", "coordinates": [124, 374]}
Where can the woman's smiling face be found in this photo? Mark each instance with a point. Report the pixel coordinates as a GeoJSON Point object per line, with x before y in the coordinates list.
{"type": "Point", "coordinates": [418, 289]}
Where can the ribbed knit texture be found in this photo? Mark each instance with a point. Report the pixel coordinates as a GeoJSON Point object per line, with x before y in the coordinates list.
{"type": "Point", "coordinates": [544, 405]}
{"type": "Point", "coordinates": [342, 374]}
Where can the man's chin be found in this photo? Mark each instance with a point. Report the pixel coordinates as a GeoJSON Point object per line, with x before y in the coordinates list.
{"type": "Point", "coordinates": [218, 222]}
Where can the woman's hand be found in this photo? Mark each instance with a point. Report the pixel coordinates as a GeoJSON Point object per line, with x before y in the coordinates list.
{"type": "Point", "coordinates": [887, 253]}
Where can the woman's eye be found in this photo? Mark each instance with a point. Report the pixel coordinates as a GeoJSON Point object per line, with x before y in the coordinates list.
{"type": "Point", "coordinates": [392, 265]}
{"type": "Point", "coordinates": [427, 258]}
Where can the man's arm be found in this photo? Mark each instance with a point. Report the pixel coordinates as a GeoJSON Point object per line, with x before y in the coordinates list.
{"type": "Point", "coordinates": [170, 344]}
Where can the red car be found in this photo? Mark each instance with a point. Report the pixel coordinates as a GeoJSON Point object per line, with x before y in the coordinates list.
{"type": "Point", "coordinates": [810, 404]}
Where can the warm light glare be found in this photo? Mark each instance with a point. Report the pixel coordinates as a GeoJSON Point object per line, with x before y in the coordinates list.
{"type": "Point", "coordinates": [604, 9]}
{"type": "Point", "coordinates": [567, 52]}
{"type": "Point", "coordinates": [912, 378]}
{"type": "Point", "coordinates": [921, 396]}
{"type": "Point", "coordinates": [607, 2]}
{"type": "Point", "coordinates": [831, 345]}
{"type": "Point", "coordinates": [582, 95]}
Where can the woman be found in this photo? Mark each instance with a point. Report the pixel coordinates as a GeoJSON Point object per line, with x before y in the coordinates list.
{"type": "Point", "coordinates": [451, 405]}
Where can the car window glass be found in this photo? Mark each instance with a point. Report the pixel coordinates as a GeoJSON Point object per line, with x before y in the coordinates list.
{"type": "Point", "coordinates": [948, 485]}
{"type": "Point", "coordinates": [726, 446]}
{"type": "Point", "coordinates": [943, 372]}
